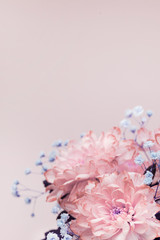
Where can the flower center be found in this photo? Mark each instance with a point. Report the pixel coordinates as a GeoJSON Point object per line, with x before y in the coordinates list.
{"type": "Point", "coordinates": [116, 211]}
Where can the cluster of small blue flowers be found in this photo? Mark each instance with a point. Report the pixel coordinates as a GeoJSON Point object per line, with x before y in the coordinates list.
{"type": "Point", "coordinates": [15, 191]}
{"type": "Point", "coordinates": [61, 223]}
{"type": "Point", "coordinates": [65, 233]}
{"type": "Point", "coordinates": [41, 161]}
{"type": "Point", "coordinates": [30, 195]}
{"type": "Point", "coordinates": [139, 118]}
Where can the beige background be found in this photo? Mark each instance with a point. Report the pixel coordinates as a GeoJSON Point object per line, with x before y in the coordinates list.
{"type": "Point", "coordinates": [67, 67]}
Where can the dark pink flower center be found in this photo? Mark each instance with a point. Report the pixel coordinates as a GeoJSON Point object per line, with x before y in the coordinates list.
{"type": "Point", "coordinates": [116, 211]}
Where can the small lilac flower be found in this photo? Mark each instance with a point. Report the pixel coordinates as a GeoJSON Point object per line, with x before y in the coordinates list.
{"type": "Point", "coordinates": [149, 174]}
{"type": "Point", "coordinates": [147, 181]}
{"type": "Point", "coordinates": [16, 182]}
{"type": "Point", "coordinates": [148, 144]}
{"type": "Point", "coordinates": [57, 143]}
{"type": "Point", "coordinates": [14, 187]}
{"type": "Point", "coordinates": [133, 129]}
{"type": "Point", "coordinates": [52, 156]}
{"type": "Point", "coordinates": [42, 154]}
{"type": "Point", "coordinates": [148, 178]}
{"type": "Point", "coordinates": [56, 209]}
{"type": "Point", "coordinates": [44, 168]}
{"type": "Point", "coordinates": [27, 171]}
{"type": "Point", "coordinates": [52, 236]}
{"type": "Point", "coordinates": [66, 142]}
{"type": "Point", "coordinates": [38, 162]}
{"type": "Point", "coordinates": [60, 223]}
{"type": "Point", "coordinates": [143, 120]}
{"type": "Point", "coordinates": [149, 113]}
{"type": "Point", "coordinates": [82, 135]}
{"type": "Point", "coordinates": [125, 123]}
{"type": "Point", "coordinates": [15, 193]}
{"type": "Point", "coordinates": [27, 200]}
{"type": "Point", "coordinates": [129, 113]}
{"type": "Point", "coordinates": [64, 230]}
{"type": "Point", "coordinates": [32, 215]}
{"type": "Point", "coordinates": [154, 155]}
{"type": "Point", "coordinates": [139, 160]}
{"type": "Point", "coordinates": [67, 237]}
{"type": "Point", "coordinates": [64, 216]}
{"type": "Point", "coordinates": [138, 110]}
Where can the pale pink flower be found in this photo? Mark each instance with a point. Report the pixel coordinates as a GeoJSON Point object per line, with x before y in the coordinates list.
{"type": "Point", "coordinates": [125, 155]}
{"type": "Point", "coordinates": [83, 160]}
{"type": "Point", "coordinates": [120, 207]}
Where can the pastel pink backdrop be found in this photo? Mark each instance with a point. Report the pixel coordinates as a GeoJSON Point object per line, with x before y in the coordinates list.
{"type": "Point", "coordinates": [67, 67]}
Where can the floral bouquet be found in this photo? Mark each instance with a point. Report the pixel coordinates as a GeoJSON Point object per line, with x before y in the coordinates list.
{"type": "Point", "coordinates": [104, 187]}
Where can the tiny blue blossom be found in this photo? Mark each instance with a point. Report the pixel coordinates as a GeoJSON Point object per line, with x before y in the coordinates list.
{"type": "Point", "coordinates": [67, 237]}
{"type": "Point", "coordinates": [16, 182]}
{"type": "Point", "coordinates": [125, 123]}
{"type": "Point", "coordinates": [32, 215]}
{"type": "Point", "coordinates": [139, 160]}
{"type": "Point", "coordinates": [82, 135]}
{"type": "Point", "coordinates": [64, 216]}
{"type": "Point", "coordinates": [27, 200]}
{"type": "Point", "coordinates": [148, 178]}
{"type": "Point", "coordinates": [14, 190]}
{"type": "Point", "coordinates": [149, 113]}
{"type": "Point", "coordinates": [148, 144]}
{"type": "Point", "coordinates": [57, 143]}
{"type": "Point", "coordinates": [148, 174]}
{"type": "Point", "coordinates": [138, 110]}
{"type": "Point", "coordinates": [44, 168]}
{"type": "Point", "coordinates": [60, 223]}
{"type": "Point", "coordinates": [129, 113]}
{"type": "Point", "coordinates": [133, 129]}
{"type": "Point", "coordinates": [64, 230]}
{"type": "Point", "coordinates": [52, 236]}
{"type": "Point", "coordinates": [27, 171]}
{"type": "Point", "coordinates": [154, 155]}
{"type": "Point", "coordinates": [15, 193]}
{"type": "Point", "coordinates": [42, 154]}
{"type": "Point", "coordinates": [147, 181]}
{"type": "Point", "coordinates": [66, 142]}
{"type": "Point", "coordinates": [14, 187]}
{"type": "Point", "coordinates": [56, 209]}
{"type": "Point", "coordinates": [52, 156]}
{"type": "Point", "coordinates": [143, 120]}
{"type": "Point", "coordinates": [38, 162]}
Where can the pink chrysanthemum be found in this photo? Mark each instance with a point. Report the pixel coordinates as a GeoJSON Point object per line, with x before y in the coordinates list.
{"type": "Point", "coordinates": [120, 207]}
{"type": "Point", "coordinates": [81, 161]}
